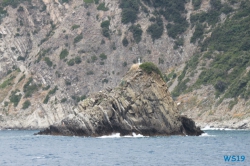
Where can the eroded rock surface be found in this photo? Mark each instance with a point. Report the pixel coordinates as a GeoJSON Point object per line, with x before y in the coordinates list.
{"type": "Point", "coordinates": [140, 104]}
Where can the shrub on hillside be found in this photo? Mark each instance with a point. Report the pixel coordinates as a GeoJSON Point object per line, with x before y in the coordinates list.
{"type": "Point", "coordinates": [137, 32]}
{"type": "Point", "coordinates": [26, 104]}
{"type": "Point", "coordinates": [125, 42]}
{"type": "Point", "coordinates": [150, 67]}
{"type": "Point", "coordinates": [64, 53]}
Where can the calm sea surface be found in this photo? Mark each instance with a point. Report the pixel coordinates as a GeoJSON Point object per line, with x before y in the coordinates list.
{"type": "Point", "coordinates": [21, 148]}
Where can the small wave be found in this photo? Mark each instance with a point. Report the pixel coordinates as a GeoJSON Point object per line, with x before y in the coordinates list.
{"type": "Point", "coordinates": [206, 135]}
{"type": "Point", "coordinates": [39, 157]}
{"type": "Point", "coordinates": [115, 135]}
{"type": "Point", "coordinates": [118, 135]}
{"type": "Point", "coordinates": [214, 128]}
{"type": "Point", "coordinates": [135, 135]}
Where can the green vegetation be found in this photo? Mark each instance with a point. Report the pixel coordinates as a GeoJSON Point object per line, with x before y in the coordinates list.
{"type": "Point", "coordinates": [29, 88]}
{"type": "Point", "coordinates": [78, 38]}
{"type": "Point", "coordinates": [65, 1]}
{"type": "Point", "coordinates": [20, 58]}
{"type": "Point", "coordinates": [51, 92]}
{"type": "Point", "coordinates": [105, 28]}
{"type": "Point", "coordinates": [102, 7]}
{"type": "Point", "coordinates": [41, 54]}
{"type": "Point", "coordinates": [20, 9]}
{"type": "Point", "coordinates": [105, 24]}
{"type": "Point", "coordinates": [75, 27]}
{"type": "Point", "coordinates": [175, 29]}
{"type": "Point", "coordinates": [228, 49]}
{"type": "Point", "coordinates": [196, 4]}
{"type": "Point", "coordinates": [64, 53]}
{"type": "Point", "coordinates": [71, 62]}
{"type": "Point", "coordinates": [3, 13]}
{"type": "Point", "coordinates": [46, 87]}
{"type": "Point", "coordinates": [103, 56]}
{"type": "Point", "coordinates": [198, 33]}
{"type": "Point", "coordinates": [88, 1]}
{"type": "Point", "coordinates": [181, 88]}
{"type": "Point", "coordinates": [78, 60]}
{"type": "Point", "coordinates": [105, 80]}
{"type": "Point", "coordinates": [90, 72]}
{"type": "Point", "coordinates": [63, 100]}
{"type": "Point", "coordinates": [232, 103]}
{"type": "Point", "coordinates": [124, 64]}
{"type": "Point", "coordinates": [21, 78]}
{"type": "Point", "coordinates": [6, 104]}
{"type": "Point", "coordinates": [15, 97]}
{"type": "Point", "coordinates": [233, 34]}
{"type": "Point", "coordinates": [150, 67]}
{"type": "Point", "coordinates": [93, 58]}
{"type": "Point", "coordinates": [170, 76]}
{"type": "Point", "coordinates": [12, 3]}
{"type": "Point", "coordinates": [212, 16]}
{"type": "Point", "coordinates": [160, 61]}
{"type": "Point", "coordinates": [125, 42]}
{"type": "Point", "coordinates": [137, 32]}
{"type": "Point", "coordinates": [67, 82]}
{"type": "Point", "coordinates": [26, 104]}
{"type": "Point", "coordinates": [48, 61]}
{"type": "Point", "coordinates": [179, 42]}
{"type": "Point", "coordinates": [156, 29]}
{"type": "Point", "coordinates": [83, 97]}
{"type": "Point", "coordinates": [78, 98]}
{"type": "Point", "coordinates": [105, 32]}
{"type": "Point", "coordinates": [48, 35]}
{"type": "Point", "coordinates": [46, 100]}
{"type": "Point", "coordinates": [173, 11]}
{"type": "Point", "coordinates": [113, 46]}
{"type": "Point", "coordinates": [130, 9]}
{"type": "Point", "coordinates": [7, 82]}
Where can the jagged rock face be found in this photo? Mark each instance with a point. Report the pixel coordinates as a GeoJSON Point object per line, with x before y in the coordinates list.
{"type": "Point", "coordinates": [140, 104]}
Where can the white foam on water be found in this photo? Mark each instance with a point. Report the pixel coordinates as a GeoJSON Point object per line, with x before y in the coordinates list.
{"type": "Point", "coordinates": [135, 135]}
{"type": "Point", "coordinates": [206, 135]}
{"type": "Point", "coordinates": [118, 135]}
{"type": "Point", "coordinates": [40, 157]}
{"type": "Point", "coordinates": [115, 135]}
{"type": "Point", "coordinates": [214, 128]}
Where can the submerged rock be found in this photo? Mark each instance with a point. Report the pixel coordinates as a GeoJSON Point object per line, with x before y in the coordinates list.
{"type": "Point", "coordinates": [141, 104]}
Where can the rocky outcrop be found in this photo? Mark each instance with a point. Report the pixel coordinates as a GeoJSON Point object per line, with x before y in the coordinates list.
{"type": "Point", "coordinates": [140, 104]}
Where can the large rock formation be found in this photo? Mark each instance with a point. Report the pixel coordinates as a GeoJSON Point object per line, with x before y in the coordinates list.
{"type": "Point", "coordinates": [140, 104]}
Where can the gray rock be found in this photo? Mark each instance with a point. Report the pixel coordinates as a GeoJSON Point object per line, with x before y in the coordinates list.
{"type": "Point", "coordinates": [141, 104]}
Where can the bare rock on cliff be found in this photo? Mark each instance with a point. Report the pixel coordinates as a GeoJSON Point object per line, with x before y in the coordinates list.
{"type": "Point", "coordinates": [140, 104]}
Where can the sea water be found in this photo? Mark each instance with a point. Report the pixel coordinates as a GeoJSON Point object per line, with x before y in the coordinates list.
{"type": "Point", "coordinates": [21, 148]}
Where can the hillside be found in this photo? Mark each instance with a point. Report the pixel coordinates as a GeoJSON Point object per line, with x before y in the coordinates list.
{"type": "Point", "coordinates": [55, 53]}
{"type": "Point", "coordinates": [216, 79]}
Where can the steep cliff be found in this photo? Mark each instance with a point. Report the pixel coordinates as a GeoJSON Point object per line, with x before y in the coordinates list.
{"type": "Point", "coordinates": [140, 104]}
